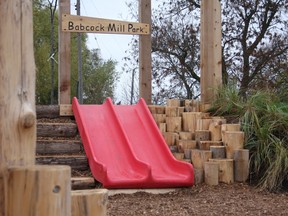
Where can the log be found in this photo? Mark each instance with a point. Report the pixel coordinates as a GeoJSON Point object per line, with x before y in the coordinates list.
{"type": "Point", "coordinates": [190, 120]}
{"type": "Point", "coordinates": [198, 176]}
{"type": "Point", "coordinates": [173, 102]}
{"type": "Point", "coordinates": [233, 140]}
{"type": "Point", "coordinates": [174, 124]}
{"type": "Point", "coordinates": [75, 162]}
{"type": "Point", "coordinates": [211, 172]}
{"type": "Point", "coordinates": [178, 156]}
{"type": "Point", "coordinates": [17, 91]}
{"type": "Point", "coordinates": [226, 171]}
{"type": "Point", "coordinates": [162, 127]}
{"type": "Point", "coordinates": [186, 135]}
{"type": "Point", "coordinates": [47, 111]}
{"type": "Point", "coordinates": [39, 190]}
{"type": "Point", "coordinates": [215, 129]}
{"type": "Point", "coordinates": [57, 130]}
{"type": "Point", "coordinates": [81, 183]}
{"type": "Point", "coordinates": [173, 148]}
{"type": "Point", "coordinates": [198, 158]}
{"type": "Point", "coordinates": [202, 135]}
{"type": "Point", "coordinates": [89, 202]}
{"type": "Point", "coordinates": [186, 144]}
{"type": "Point", "coordinates": [170, 138]}
{"type": "Point", "coordinates": [203, 124]}
{"type": "Point", "coordinates": [218, 152]}
{"type": "Point", "coordinates": [187, 154]}
{"type": "Point", "coordinates": [171, 111]}
{"type": "Point", "coordinates": [159, 118]}
{"type": "Point", "coordinates": [156, 109]}
{"type": "Point", "coordinates": [205, 145]}
{"type": "Point", "coordinates": [241, 165]}
{"type": "Point", "coordinates": [59, 147]}
{"type": "Point", "coordinates": [66, 110]}
{"type": "Point", "coordinates": [229, 127]}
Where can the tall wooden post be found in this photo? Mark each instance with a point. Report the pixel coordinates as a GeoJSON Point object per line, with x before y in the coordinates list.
{"type": "Point", "coordinates": [17, 90]}
{"type": "Point", "coordinates": [210, 50]}
{"type": "Point", "coordinates": [145, 60]}
{"type": "Point", "coordinates": [64, 68]}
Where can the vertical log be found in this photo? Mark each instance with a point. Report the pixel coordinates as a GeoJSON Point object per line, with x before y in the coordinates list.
{"type": "Point", "coordinates": [241, 165]}
{"type": "Point", "coordinates": [89, 202]}
{"type": "Point", "coordinates": [173, 124]}
{"type": "Point", "coordinates": [203, 124]}
{"type": "Point", "coordinates": [64, 68]}
{"type": "Point", "coordinates": [205, 145]}
{"type": "Point", "coordinates": [173, 103]}
{"type": "Point", "coordinates": [200, 157]}
{"type": "Point", "coordinates": [145, 59]}
{"type": "Point", "coordinates": [170, 138]}
{"type": "Point", "coordinates": [233, 140]}
{"type": "Point", "coordinates": [17, 90]}
{"type": "Point", "coordinates": [190, 120]}
{"type": "Point", "coordinates": [229, 127]}
{"type": "Point", "coordinates": [211, 173]}
{"type": "Point", "coordinates": [202, 135]}
{"type": "Point", "coordinates": [186, 135]}
{"type": "Point", "coordinates": [210, 48]}
{"type": "Point", "coordinates": [39, 190]}
{"type": "Point", "coordinates": [218, 151]}
{"type": "Point", "coordinates": [226, 170]}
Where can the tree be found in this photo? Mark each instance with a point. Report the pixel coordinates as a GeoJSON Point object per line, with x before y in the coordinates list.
{"type": "Point", "coordinates": [100, 75]}
{"type": "Point", "coordinates": [99, 79]}
{"type": "Point", "coordinates": [254, 45]}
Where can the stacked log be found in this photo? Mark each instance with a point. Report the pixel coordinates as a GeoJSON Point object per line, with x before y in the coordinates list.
{"type": "Point", "coordinates": [205, 141]}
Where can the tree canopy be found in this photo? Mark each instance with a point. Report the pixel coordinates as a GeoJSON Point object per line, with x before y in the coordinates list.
{"type": "Point", "coordinates": [254, 46]}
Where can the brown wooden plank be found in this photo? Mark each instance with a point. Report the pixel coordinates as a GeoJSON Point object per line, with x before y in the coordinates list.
{"type": "Point", "coordinates": [57, 130]}
{"type": "Point", "coordinates": [66, 110]}
{"type": "Point", "coordinates": [145, 59]}
{"type": "Point", "coordinates": [75, 162]}
{"type": "Point", "coordinates": [47, 111]}
{"type": "Point", "coordinates": [59, 147]}
{"type": "Point", "coordinates": [81, 183]}
{"type": "Point", "coordinates": [64, 68]}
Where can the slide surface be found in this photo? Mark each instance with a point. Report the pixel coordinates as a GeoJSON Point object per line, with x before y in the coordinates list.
{"type": "Point", "coordinates": [125, 148]}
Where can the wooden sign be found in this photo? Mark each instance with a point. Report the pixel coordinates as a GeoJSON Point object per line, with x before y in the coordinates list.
{"type": "Point", "coordinates": [73, 23]}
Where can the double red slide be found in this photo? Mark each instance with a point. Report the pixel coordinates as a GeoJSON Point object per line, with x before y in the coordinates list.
{"type": "Point", "coordinates": [125, 148]}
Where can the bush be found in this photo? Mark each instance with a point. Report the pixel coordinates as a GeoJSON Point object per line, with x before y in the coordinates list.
{"type": "Point", "coordinates": [264, 119]}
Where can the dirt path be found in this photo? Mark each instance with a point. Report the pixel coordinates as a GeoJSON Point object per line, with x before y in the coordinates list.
{"type": "Point", "coordinates": [236, 199]}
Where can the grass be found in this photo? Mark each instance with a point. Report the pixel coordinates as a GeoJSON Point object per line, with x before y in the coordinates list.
{"type": "Point", "coordinates": [264, 119]}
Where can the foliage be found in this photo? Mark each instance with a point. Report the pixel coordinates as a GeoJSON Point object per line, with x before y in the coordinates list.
{"type": "Point", "coordinates": [99, 75]}
{"type": "Point", "coordinates": [264, 119]}
{"type": "Point", "coordinates": [254, 46]}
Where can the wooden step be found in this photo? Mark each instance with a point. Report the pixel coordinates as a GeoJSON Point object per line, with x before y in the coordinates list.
{"type": "Point", "coordinates": [57, 130]}
{"type": "Point", "coordinates": [59, 147]}
{"type": "Point", "coordinates": [81, 183]}
{"type": "Point", "coordinates": [77, 162]}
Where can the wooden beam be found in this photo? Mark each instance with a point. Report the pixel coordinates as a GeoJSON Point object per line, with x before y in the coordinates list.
{"type": "Point", "coordinates": [17, 91]}
{"type": "Point", "coordinates": [210, 48]}
{"type": "Point", "coordinates": [64, 68]}
{"type": "Point", "coordinates": [145, 47]}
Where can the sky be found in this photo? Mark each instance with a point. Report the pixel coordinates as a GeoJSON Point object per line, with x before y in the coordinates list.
{"type": "Point", "coordinates": [112, 46]}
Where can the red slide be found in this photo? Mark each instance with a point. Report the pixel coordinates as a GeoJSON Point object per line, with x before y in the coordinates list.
{"type": "Point", "coordinates": [125, 148]}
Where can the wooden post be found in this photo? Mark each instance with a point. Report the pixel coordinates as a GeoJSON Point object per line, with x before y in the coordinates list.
{"type": "Point", "coordinates": [173, 124]}
{"type": "Point", "coordinates": [39, 190]}
{"type": "Point", "coordinates": [205, 145]}
{"type": "Point", "coordinates": [64, 62]}
{"type": "Point", "coordinates": [145, 48]}
{"type": "Point", "coordinates": [17, 91]}
{"type": "Point", "coordinates": [211, 173]}
{"type": "Point", "coordinates": [233, 140]}
{"type": "Point", "coordinates": [241, 165]}
{"type": "Point", "coordinates": [190, 120]}
{"type": "Point", "coordinates": [89, 202]}
{"type": "Point", "coordinates": [210, 48]}
{"type": "Point", "coordinates": [226, 170]}
{"type": "Point", "coordinates": [218, 152]}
